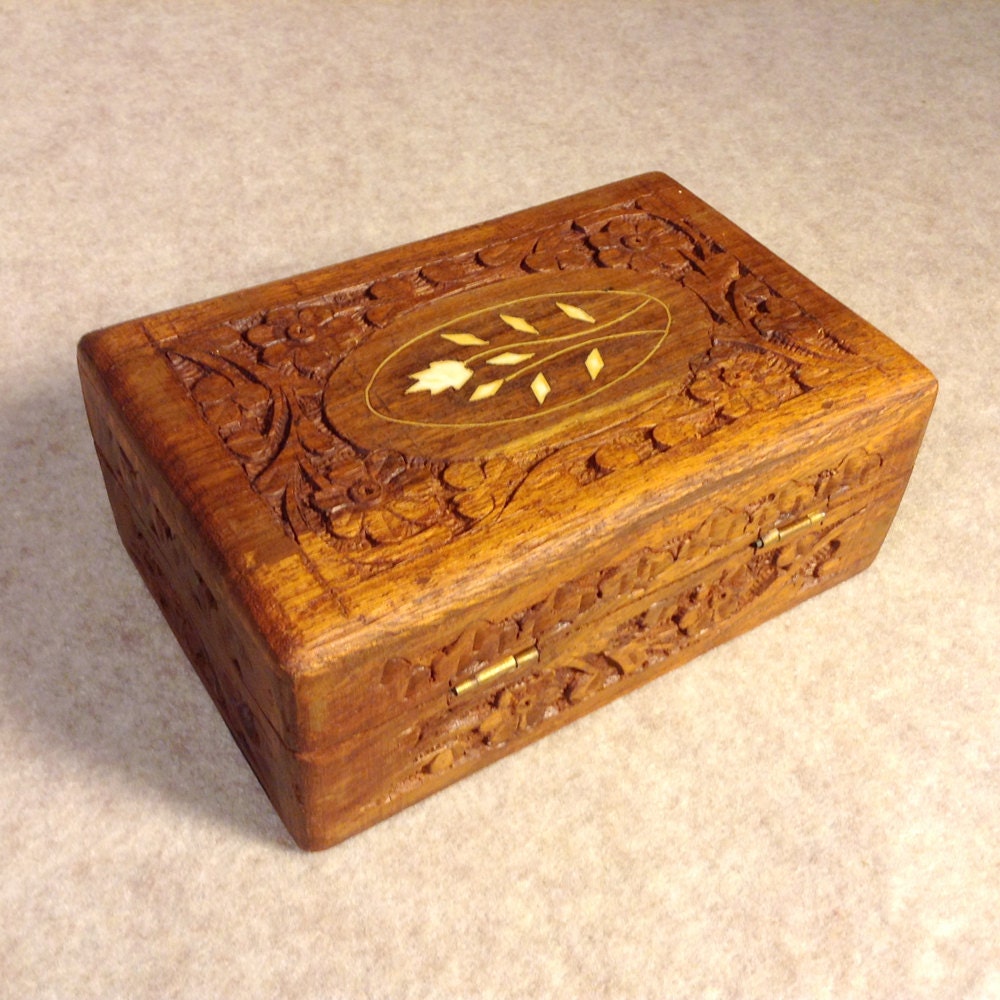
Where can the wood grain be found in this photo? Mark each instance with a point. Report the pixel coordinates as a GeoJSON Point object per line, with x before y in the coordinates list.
{"type": "Point", "coordinates": [353, 490]}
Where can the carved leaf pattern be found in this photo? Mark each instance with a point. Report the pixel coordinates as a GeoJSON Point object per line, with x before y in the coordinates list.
{"type": "Point", "coordinates": [639, 643]}
{"type": "Point", "coordinates": [667, 625]}
{"type": "Point", "coordinates": [259, 380]}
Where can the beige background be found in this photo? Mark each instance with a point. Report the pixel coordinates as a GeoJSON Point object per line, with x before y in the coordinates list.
{"type": "Point", "coordinates": [810, 811]}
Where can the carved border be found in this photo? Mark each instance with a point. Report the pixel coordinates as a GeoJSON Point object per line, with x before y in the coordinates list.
{"type": "Point", "coordinates": [589, 599]}
{"type": "Point", "coordinates": [667, 624]}
{"type": "Point", "coordinates": [259, 382]}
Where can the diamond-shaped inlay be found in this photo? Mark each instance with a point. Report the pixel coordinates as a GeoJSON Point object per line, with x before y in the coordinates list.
{"type": "Point", "coordinates": [594, 363]}
{"type": "Point", "coordinates": [540, 387]}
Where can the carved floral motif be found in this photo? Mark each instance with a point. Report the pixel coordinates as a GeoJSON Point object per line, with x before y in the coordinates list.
{"type": "Point", "coordinates": [594, 595]}
{"type": "Point", "coordinates": [380, 498]}
{"type": "Point", "coordinates": [736, 381]}
{"type": "Point", "coordinates": [561, 249]}
{"type": "Point", "coordinates": [260, 381]}
{"type": "Point", "coordinates": [642, 243]}
{"type": "Point", "coordinates": [639, 643]}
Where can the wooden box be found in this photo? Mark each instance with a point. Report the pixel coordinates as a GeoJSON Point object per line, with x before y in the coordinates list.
{"type": "Point", "coordinates": [411, 512]}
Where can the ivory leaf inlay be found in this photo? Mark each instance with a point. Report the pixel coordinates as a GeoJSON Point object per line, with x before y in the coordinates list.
{"type": "Point", "coordinates": [464, 339]}
{"type": "Point", "coordinates": [439, 376]}
{"type": "Point", "coordinates": [575, 312]}
{"type": "Point", "coordinates": [518, 324]}
{"type": "Point", "coordinates": [540, 387]}
{"type": "Point", "coordinates": [485, 390]}
{"type": "Point", "coordinates": [509, 358]}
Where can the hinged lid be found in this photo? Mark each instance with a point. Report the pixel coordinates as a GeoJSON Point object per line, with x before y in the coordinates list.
{"type": "Point", "coordinates": [381, 453]}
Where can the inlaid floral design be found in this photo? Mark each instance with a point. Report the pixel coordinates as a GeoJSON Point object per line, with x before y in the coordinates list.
{"type": "Point", "coordinates": [562, 347]}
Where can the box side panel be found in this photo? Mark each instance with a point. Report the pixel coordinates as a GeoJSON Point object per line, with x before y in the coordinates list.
{"type": "Point", "coordinates": [609, 632]}
{"type": "Point", "coordinates": [217, 532]}
{"type": "Point", "coordinates": [189, 583]}
{"type": "Point", "coordinates": [207, 643]}
{"type": "Point", "coordinates": [378, 773]}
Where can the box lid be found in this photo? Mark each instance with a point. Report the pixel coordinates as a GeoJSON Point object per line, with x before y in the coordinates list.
{"type": "Point", "coordinates": [377, 455]}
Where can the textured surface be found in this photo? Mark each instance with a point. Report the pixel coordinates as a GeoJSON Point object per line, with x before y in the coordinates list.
{"type": "Point", "coordinates": [812, 808]}
{"type": "Point", "coordinates": [341, 533]}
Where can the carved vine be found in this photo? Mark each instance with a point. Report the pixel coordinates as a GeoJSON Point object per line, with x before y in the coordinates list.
{"type": "Point", "coordinates": [639, 643]}
{"type": "Point", "coordinates": [259, 382]}
{"type": "Point", "coordinates": [595, 595]}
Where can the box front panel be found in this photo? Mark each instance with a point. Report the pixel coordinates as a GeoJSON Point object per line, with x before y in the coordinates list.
{"type": "Point", "coordinates": [763, 548]}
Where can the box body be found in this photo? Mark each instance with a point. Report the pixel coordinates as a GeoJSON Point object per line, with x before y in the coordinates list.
{"type": "Point", "coordinates": [408, 513]}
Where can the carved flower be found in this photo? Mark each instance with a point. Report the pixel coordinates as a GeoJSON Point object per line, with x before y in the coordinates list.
{"type": "Point", "coordinates": [520, 707]}
{"type": "Point", "coordinates": [380, 499]}
{"type": "Point", "coordinates": [481, 488]}
{"type": "Point", "coordinates": [559, 250]}
{"type": "Point", "coordinates": [693, 614]}
{"type": "Point", "coordinates": [310, 340]}
{"type": "Point", "coordinates": [743, 382]}
{"type": "Point", "coordinates": [622, 451]}
{"type": "Point", "coordinates": [229, 404]}
{"type": "Point", "coordinates": [731, 593]}
{"type": "Point", "coordinates": [710, 604]}
{"type": "Point", "coordinates": [452, 270]}
{"type": "Point", "coordinates": [391, 296]}
{"type": "Point", "coordinates": [643, 244]}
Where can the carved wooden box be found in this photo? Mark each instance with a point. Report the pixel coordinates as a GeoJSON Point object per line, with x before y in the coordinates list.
{"type": "Point", "coordinates": [408, 513]}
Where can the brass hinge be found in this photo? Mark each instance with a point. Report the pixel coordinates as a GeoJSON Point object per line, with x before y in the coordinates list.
{"type": "Point", "coordinates": [776, 535]}
{"type": "Point", "coordinates": [495, 670]}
